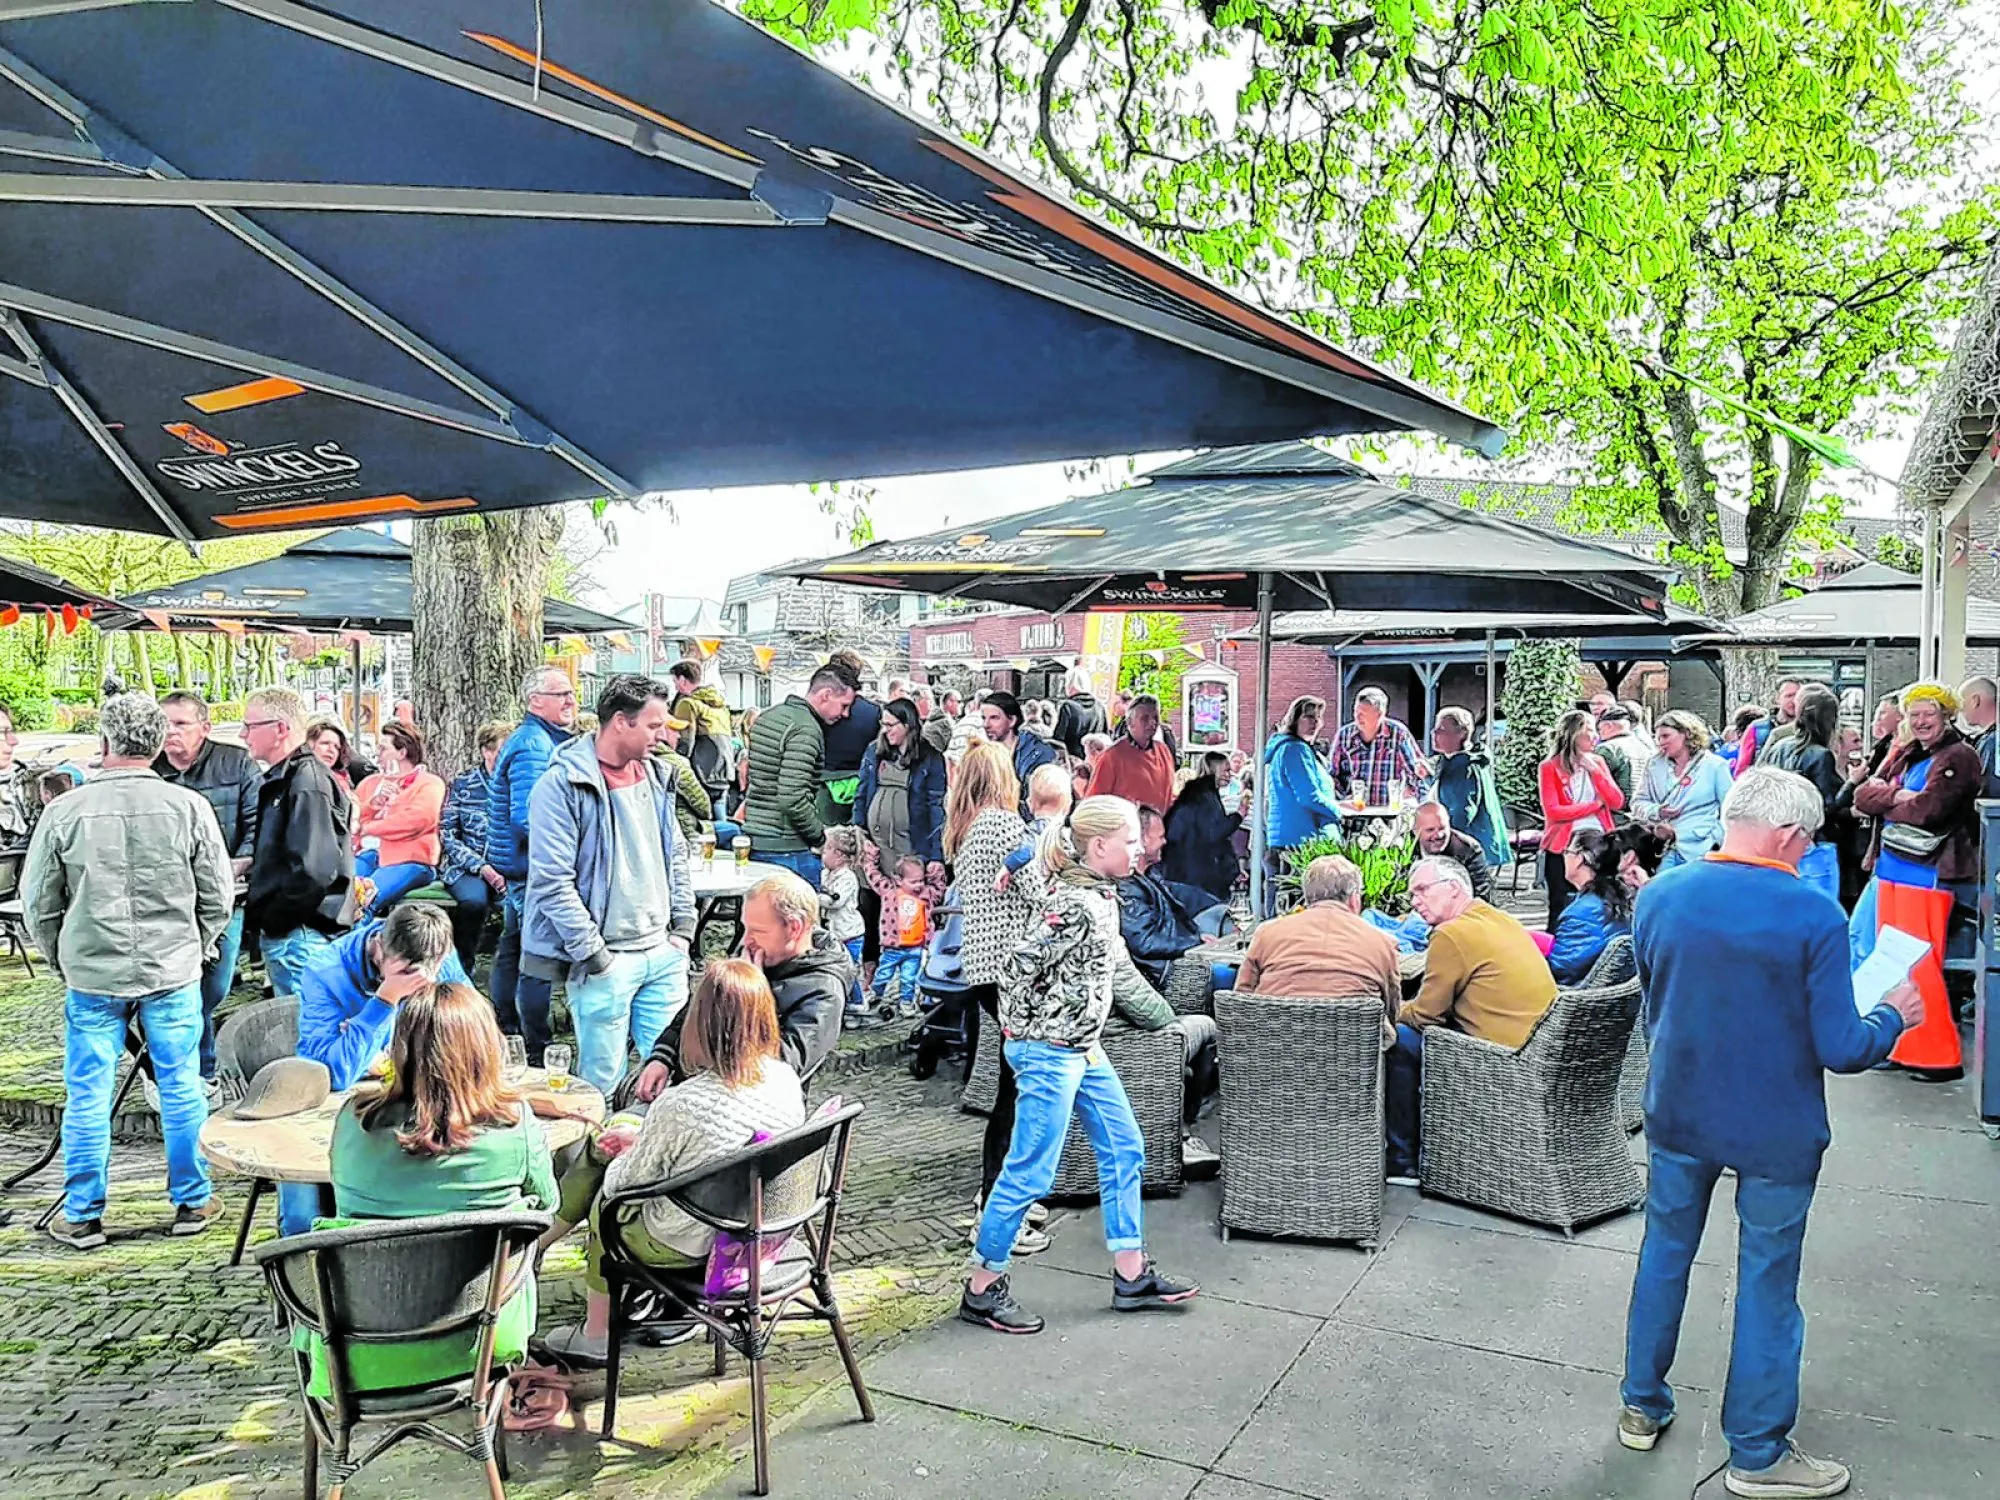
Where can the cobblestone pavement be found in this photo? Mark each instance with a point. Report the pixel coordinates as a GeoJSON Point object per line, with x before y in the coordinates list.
{"type": "Point", "coordinates": [152, 1368]}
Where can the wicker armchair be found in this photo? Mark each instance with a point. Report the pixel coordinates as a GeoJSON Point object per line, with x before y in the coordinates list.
{"type": "Point", "coordinates": [1153, 1067]}
{"type": "Point", "coordinates": [1189, 985]}
{"type": "Point", "coordinates": [1617, 965]}
{"type": "Point", "coordinates": [1535, 1134]}
{"type": "Point", "coordinates": [1302, 1115]}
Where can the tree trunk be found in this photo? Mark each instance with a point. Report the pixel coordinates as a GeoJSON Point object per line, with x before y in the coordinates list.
{"type": "Point", "coordinates": [183, 664]}
{"type": "Point", "coordinates": [142, 663]}
{"type": "Point", "coordinates": [1752, 677]}
{"type": "Point", "coordinates": [479, 584]}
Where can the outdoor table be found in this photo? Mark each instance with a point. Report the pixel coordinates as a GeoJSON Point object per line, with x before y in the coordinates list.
{"type": "Point", "coordinates": [296, 1148]}
{"type": "Point", "coordinates": [1380, 810]}
{"type": "Point", "coordinates": [720, 884]}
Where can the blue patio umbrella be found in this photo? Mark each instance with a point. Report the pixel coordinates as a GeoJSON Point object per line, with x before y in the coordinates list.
{"type": "Point", "coordinates": [266, 264]}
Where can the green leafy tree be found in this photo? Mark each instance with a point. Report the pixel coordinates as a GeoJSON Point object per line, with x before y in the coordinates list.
{"type": "Point", "coordinates": [1540, 688]}
{"type": "Point", "coordinates": [1554, 209]}
{"type": "Point", "coordinates": [1900, 553]}
{"type": "Point", "coordinates": [1141, 670]}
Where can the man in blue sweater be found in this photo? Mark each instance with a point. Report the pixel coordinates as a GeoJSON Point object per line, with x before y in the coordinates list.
{"type": "Point", "coordinates": [347, 1008]}
{"type": "Point", "coordinates": [1749, 1004]}
{"type": "Point", "coordinates": [521, 1001]}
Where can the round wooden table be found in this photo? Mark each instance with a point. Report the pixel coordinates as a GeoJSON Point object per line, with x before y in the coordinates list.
{"type": "Point", "coordinates": [720, 884]}
{"type": "Point", "coordinates": [295, 1148]}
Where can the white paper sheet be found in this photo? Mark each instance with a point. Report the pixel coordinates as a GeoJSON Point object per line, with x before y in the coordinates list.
{"type": "Point", "coordinates": [1896, 953]}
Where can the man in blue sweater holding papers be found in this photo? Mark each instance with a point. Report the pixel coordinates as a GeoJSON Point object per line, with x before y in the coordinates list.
{"type": "Point", "coordinates": [1748, 1005]}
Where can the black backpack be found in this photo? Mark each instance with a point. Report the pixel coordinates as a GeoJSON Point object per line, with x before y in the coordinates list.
{"type": "Point", "coordinates": [714, 766]}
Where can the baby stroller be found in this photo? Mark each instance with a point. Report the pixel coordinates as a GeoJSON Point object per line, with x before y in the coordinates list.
{"type": "Point", "coordinates": [945, 1030]}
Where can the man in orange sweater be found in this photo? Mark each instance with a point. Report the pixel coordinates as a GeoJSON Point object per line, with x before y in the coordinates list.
{"type": "Point", "coordinates": [1138, 767]}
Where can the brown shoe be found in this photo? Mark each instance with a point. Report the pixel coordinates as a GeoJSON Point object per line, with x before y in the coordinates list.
{"type": "Point", "coordinates": [190, 1221]}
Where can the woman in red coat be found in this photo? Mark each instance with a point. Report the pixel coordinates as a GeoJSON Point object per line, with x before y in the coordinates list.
{"type": "Point", "coordinates": [1577, 792]}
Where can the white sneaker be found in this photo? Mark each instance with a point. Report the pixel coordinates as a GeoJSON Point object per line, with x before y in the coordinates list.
{"type": "Point", "coordinates": [1038, 1214]}
{"type": "Point", "coordinates": [217, 1096]}
{"type": "Point", "coordinates": [1030, 1241]}
{"type": "Point", "coordinates": [1196, 1152]}
{"type": "Point", "coordinates": [1796, 1476]}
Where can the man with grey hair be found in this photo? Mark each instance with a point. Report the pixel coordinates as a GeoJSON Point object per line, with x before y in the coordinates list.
{"type": "Point", "coordinates": [809, 973]}
{"type": "Point", "coordinates": [1324, 950]}
{"type": "Point", "coordinates": [1978, 706]}
{"type": "Point", "coordinates": [303, 865]}
{"type": "Point", "coordinates": [1483, 976]}
{"type": "Point", "coordinates": [127, 889]}
{"type": "Point", "coordinates": [1749, 1004]}
{"type": "Point", "coordinates": [1375, 753]}
{"type": "Point", "coordinates": [1079, 714]}
{"type": "Point", "coordinates": [548, 700]}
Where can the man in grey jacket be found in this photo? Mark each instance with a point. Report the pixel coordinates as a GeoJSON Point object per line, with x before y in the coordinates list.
{"type": "Point", "coordinates": [127, 889]}
{"type": "Point", "coordinates": [610, 906]}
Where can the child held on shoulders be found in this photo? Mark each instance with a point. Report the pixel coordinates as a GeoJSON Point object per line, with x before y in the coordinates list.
{"type": "Point", "coordinates": [840, 888]}
{"type": "Point", "coordinates": [1050, 795]}
{"type": "Point", "coordinates": [907, 903]}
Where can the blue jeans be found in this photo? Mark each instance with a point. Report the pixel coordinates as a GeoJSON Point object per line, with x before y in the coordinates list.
{"type": "Point", "coordinates": [290, 955]}
{"type": "Point", "coordinates": [1403, 1100]}
{"type": "Point", "coordinates": [854, 946]}
{"type": "Point", "coordinates": [520, 1001]}
{"type": "Point", "coordinates": [1052, 1083]}
{"type": "Point", "coordinates": [1760, 1401]}
{"type": "Point", "coordinates": [217, 975]}
{"type": "Point", "coordinates": [468, 918]}
{"type": "Point", "coordinates": [902, 967]}
{"type": "Point", "coordinates": [726, 832]}
{"type": "Point", "coordinates": [392, 882]}
{"type": "Point", "coordinates": [639, 995]}
{"type": "Point", "coordinates": [93, 1039]}
{"type": "Point", "coordinates": [1820, 869]}
{"type": "Point", "coordinates": [801, 862]}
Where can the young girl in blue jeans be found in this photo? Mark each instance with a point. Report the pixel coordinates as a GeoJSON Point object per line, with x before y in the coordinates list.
{"type": "Point", "coordinates": [1055, 996]}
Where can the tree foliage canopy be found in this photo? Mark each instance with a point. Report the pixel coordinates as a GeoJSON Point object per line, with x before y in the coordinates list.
{"type": "Point", "coordinates": [1544, 207]}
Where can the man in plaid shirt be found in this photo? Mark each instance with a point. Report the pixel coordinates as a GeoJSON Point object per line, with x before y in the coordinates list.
{"type": "Point", "coordinates": [1376, 752]}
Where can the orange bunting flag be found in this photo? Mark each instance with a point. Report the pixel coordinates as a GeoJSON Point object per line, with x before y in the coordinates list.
{"type": "Point", "coordinates": [619, 640]}
{"type": "Point", "coordinates": [708, 647]}
{"type": "Point", "coordinates": [764, 655]}
{"type": "Point", "coordinates": [48, 621]}
{"type": "Point", "coordinates": [11, 615]}
{"type": "Point", "coordinates": [69, 618]}
{"type": "Point", "coordinates": [159, 619]}
{"type": "Point", "coordinates": [229, 627]}
{"type": "Point", "coordinates": [85, 611]}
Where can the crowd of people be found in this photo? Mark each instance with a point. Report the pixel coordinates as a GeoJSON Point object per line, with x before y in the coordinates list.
{"type": "Point", "coordinates": [936, 853]}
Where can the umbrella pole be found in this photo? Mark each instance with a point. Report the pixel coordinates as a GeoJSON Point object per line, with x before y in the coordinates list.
{"type": "Point", "coordinates": [1258, 789]}
{"type": "Point", "coordinates": [1489, 692]}
{"type": "Point", "coordinates": [354, 723]}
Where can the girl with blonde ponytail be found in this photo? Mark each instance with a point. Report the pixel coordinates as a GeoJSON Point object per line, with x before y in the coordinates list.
{"type": "Point", "coordinates": [1055, 995]}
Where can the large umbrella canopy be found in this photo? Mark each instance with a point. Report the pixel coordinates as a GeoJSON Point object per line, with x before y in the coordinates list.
{"type": "Point", "coordinates": [351, 579]}
{"type": "Point", "coordinates": [266, 264]}
{"type": "Point", "coordinates": [1872, 605]}
{"type": "Point", "coordinates": [1397, 627]}
{"type": "Point", "coordinates": [23, 586]}
{"type": "Point", "coordinates": [1197, 535]}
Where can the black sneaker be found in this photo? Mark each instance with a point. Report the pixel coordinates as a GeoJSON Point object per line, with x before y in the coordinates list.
{"type": "Point", "coordinates": [1148, 1289]}
{"type": "Point", "coordinates": [189, 1221]}
{"type": "Point", "coordinates": [995, 1308]}
{"type": "Point", "coordinates": [78, 1234]}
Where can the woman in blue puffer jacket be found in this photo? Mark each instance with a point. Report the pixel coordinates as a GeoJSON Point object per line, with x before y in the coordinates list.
{"type": "Point", "coordinates": [1298, 793]}
{"type": "Point", "coordinates": [1601, 909]}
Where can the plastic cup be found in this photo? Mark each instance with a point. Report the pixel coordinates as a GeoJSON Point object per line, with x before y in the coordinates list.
{"type": "Point", "coordinates": [556, 1060]}
{"type": "Point", "coordinates": [742, 847]}
{"type": "Point", "coordinates": [517, 1058]}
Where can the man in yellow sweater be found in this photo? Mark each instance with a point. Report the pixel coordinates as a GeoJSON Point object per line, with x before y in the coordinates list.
{"type": "Point", "coordinates": [1484, 976]}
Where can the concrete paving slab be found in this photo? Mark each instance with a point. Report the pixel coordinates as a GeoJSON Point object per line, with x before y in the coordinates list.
{"type": "Point", "coordinates": [1895, 1460]}
{"type": "Point", "coordinates": [1903, 1353]}
{"type": "Point", "coordinates": [1182, 1234]}
{"type": "Point", "coordinates": [1175, 1383]}
{"type": "Point", "coordinates": [1392, 1417]}
{"type": "Point", "coordinates": [1540, 1299]}
{"type": "Point", "coordinates": [913, 1450]}
{"type": "Point", "coordinates": [1895, 1098]}
{"type": "Point", "coordinates": [1222, 1487]}
{"type": "Point", "coordinates": [1916, 1161]}
{"type": "Point", "coordinates": [1718, 1244]}
{"type": "Point", "coordinates": [1858, 1235]}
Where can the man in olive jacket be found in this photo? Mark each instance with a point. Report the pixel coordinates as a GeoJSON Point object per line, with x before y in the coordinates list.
{"type": "Point", "coordinates": [786, 807]}
{"type": "Point", "coordinates": [127, 888]}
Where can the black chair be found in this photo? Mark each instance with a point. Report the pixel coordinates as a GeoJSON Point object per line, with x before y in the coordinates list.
{"type": "Point", "coordinates": [13, 908]}
{"type": "Point", "coordinates": [398, 1281]}
{"type": "Point", "coordinates": [784, 1190]}
{"type": "Point", "coordinates": [1524, 842]}
{"type": "Point", "coordinates": [259, 1033]}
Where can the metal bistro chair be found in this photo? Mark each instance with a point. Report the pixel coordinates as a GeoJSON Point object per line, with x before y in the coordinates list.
{"type": "Point", "coordinates": [397, 1282]}
{"type": "Point", "coordinates": [259, 1033]}
{"type": "Point", "coordinates": [784, 1191]}
{"type": "Point", "coordinates": [13, 910]}
{"type": "Point", "coordinates": [1524, 842]}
